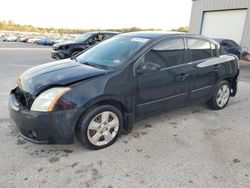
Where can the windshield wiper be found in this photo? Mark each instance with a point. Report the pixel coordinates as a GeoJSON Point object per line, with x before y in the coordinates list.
{"type": "Point", "coordinates": [94, 65]}
{"type": "Point", "coordinates": [73, 58]}
{"type": "Point", "coordinates": [87, 63]}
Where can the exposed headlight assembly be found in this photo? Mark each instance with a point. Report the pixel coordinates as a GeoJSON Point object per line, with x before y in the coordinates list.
{"type": "Point", "coordinates": [46, 101]}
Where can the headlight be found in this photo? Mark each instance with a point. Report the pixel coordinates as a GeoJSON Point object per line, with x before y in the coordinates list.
{"type": "Point", "coordinates": [55, 47]}
{"type": "Point", "coordinates": [46, 101]}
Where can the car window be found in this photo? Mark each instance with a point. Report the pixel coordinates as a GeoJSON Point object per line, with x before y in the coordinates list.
{"type": "Point", "coordinates": [198, 49]}
{"type": "Point", "coordinates": [230, 43]}
{"type": "Point", "coordinates": [98, 38]}
{"type": "Point", "coordinates": [168, 53]}
{"type": "Point", "coordinates": [107, 36]}
{"type": "Point", "coordinates": [83, 37]}
{"type": "Point", "coordinates": [224, 43]}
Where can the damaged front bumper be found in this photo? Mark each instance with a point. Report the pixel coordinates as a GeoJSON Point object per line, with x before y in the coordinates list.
{"type": "Point", "coordinates": [43, 127]}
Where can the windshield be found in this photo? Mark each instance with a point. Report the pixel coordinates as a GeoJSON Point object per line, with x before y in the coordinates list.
{"type": "Point", "coordinates": [83, 37]}
{"type": "Point", "coordinates": [112, 52]}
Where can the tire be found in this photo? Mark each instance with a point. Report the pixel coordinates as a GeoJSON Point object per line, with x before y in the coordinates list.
{"type": "Point", "coordinates": [95, 128]}
{"type": "Point", "coordinates": [220, 96]}
{"type": "Point", "coordinates": [75, 53]}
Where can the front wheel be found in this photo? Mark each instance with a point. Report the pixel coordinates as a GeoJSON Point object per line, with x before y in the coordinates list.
{"type": "Point", "coordinates": [100, 126]}
{"type": "Point", "coordinates": [220, 96]}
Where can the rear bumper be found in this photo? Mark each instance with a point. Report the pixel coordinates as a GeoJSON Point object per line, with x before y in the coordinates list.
{"type": "Point", "coordinates": [42, 127]}
{"type": "Point", "coordinates": [235, 84]}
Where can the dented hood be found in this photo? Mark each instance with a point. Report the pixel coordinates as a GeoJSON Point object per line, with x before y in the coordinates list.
{"type": "Point", "coordinates": [58, 73]}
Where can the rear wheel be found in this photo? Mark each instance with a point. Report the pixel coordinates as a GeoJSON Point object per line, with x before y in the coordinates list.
{"type": "Point", "coordinates": [220, 96]}
{"type": "Point", "coordinates": [100, 126]}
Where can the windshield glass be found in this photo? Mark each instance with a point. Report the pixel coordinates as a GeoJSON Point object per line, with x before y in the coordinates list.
{"type": "Point", "coordinates": [83, 37]}
{"type": "Point", "coordinates": [112, 52]}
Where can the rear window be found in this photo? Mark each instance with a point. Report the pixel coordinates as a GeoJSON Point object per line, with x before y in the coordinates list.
{"type": "Point", "coordinates": [199, 49]}
{"type": "Point", "coordinates": [228, 43]}
{"type": "Point", "coordinates": [107, 36]}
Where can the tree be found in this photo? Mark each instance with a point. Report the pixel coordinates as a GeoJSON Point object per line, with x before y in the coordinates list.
{"type": "Point", "coordinates": [3, 25]}
{"type": "Point", "coordinates": [10, 25]}
{"type": "Point", "coordinates": [181, 29]}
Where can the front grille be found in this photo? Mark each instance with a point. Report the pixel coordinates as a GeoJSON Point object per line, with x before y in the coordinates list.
{"type": "Point", "coordinates": [24, 99]}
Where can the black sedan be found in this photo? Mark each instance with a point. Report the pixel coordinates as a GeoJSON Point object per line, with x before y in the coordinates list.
{"type": "Point", "coordinates": [109, 86]}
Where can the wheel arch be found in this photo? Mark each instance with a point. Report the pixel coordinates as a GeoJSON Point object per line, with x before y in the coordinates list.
{"type": "Point", "coordinates": [127, 116]}
{"type": "Point", "coordinates": [233, 84]}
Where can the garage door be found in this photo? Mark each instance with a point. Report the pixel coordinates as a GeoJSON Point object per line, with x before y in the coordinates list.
{"type": "Point", "coordinates": [224, 24]}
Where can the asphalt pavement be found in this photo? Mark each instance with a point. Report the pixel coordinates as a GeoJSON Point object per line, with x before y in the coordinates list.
{"type": "Point", "coordinates": [189, 147]}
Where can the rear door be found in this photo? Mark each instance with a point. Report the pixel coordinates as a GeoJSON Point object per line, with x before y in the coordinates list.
{"type": "Point", "coordinates": [202, 56]}
{"type": "Point", "coordinates": [167, 87]}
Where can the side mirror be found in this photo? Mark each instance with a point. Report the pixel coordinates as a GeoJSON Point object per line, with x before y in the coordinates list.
{"type": "Point", "coordinates": [148, 67]}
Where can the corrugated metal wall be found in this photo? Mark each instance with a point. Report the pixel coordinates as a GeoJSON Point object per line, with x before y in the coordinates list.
{"type": "Point", "coordinates": [199, 6]}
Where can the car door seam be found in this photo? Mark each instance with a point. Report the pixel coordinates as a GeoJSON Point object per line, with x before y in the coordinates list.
{"type": "Point", "coordinates": [160, 100]}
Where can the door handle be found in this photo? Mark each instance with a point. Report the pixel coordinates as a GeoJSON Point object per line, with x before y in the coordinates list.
{"type": "Point", "coordinates": [183, 76]}
{"type": "Point", "coordinates": [216, 67]}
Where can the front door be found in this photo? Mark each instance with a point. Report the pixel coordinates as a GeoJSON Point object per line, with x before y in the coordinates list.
{"type": "Point", "coordinates": [167, 86]}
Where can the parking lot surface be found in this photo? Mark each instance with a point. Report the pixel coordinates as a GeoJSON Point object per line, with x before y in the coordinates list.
{"type": "Point", "coordinates": [189, 147]}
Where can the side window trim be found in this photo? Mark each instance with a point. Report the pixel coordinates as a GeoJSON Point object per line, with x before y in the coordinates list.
{"type": "Point", "coordinates": [216, 50]}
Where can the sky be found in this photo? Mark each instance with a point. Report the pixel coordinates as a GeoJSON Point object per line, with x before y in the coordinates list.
{"type": "Point", "coordinates": [103, 14]}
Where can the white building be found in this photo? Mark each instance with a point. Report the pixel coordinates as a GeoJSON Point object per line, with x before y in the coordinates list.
{"type": "Point", "coordinates": [222, 19]}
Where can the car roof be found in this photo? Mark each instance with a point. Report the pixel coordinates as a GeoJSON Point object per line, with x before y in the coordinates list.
{"type": "Point", "coordinates": [161, 34]}
{"type": "Point", "coordinates": [219, 39]}
{"type": "Point", "coordinates": [151, 34]}
{"type": "Point", "coordinates": [222, 39]}
{"type": "Point", "coordinates": [158, 35]}
{"type": "Point", "coordinates": [109, 32]}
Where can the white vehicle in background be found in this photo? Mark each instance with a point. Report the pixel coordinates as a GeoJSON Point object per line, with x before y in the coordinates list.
{"type": "Point", "coordinates": [34, 39]}
{"type": "Point", "coordinates": [24, 38]}
{"type": "Point", "coordinates": [58, 40]}
{"type": "Point", "coordinates": [10, 39]}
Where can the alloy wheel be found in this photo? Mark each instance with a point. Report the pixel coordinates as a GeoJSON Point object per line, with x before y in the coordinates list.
{"type": "Point", "coordinates": [223, 95]}
{"type": "Point", "coordinates": [103, 128]}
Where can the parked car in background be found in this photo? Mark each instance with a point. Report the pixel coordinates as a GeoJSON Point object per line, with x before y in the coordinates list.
{"type": "Point", "coordinates": [10, 38]}
{"type": "Point", "coordinates": [230, 46]}
{"type": "Point", "coordinates": [24, 38]}
{"type": "Point", "coordinates": [58, 40]}
{"type": "Point", "coordinates": [70, 48]}
{"type": "Point", "coordinates": [105, 89]}
{"type": "Point", "coordinates": [46, 41]}
{"type": "Point", "coordinates": [34, 39]}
